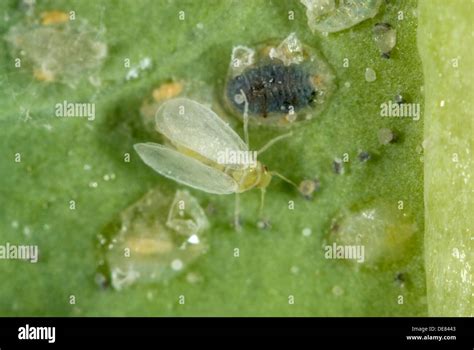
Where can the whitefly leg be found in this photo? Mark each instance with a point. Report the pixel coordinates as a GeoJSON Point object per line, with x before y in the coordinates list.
{"type": "Point", "coordinates": [262, 202]}
{"type": "Point", "coordinates": [237, 225]}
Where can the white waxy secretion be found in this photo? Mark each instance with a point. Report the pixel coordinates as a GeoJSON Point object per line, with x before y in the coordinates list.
{"type": "Point", "coordinates": [242, 57]}
{"type": "Point", "coordinates": [334, 16]}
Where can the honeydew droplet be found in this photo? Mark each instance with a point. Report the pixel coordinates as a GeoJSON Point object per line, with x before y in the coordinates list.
{"type": "Point", "coordinates": [370, 75]}
{"type": "Point", "coordinates": [337, 291]}
{"type": "Point", "coordinates": [385, 38]}
{"type": "Point", "coordinates": [176, 264]}
{"type": "Point", "coordinates": [307, 232]}
{"type": "Point", "coordinates": [27, 231]}
{"type": "Point", "coordinates": [193, 278]}
{"type": "Point", "coordinates": [295, 270]}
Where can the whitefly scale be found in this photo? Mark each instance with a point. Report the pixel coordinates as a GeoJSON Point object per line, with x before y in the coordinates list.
{"type": "Point", "coordinates": [282, 83]}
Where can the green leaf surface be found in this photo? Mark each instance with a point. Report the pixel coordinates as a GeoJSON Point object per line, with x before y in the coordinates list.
{"type": "Point", "coordinates": [65, 159]}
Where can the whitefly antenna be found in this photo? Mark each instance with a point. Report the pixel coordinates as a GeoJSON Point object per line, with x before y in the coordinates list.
{"type": "Point", "coordinates": [237, 225]}
{"type": "Point", "coordinates": [287, 180]}
{"type": "Point", "coordinates": [273, 141]}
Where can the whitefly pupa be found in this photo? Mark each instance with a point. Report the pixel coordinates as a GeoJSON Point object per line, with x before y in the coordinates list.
{"type": "Point", "coordinates": [152, 240]}
{"type": "Point", "coordinates": [282, 82]}
{"type": "Point", "coordinates": [205, 153]}
{"type": "Point", "coordinates": [59, 49]}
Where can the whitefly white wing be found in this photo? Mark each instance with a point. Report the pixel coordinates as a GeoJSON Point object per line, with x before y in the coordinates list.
{"type": "Point", "coordinates": [189, 124]}
{"type": "Point", "coordinates": [184, 169]}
